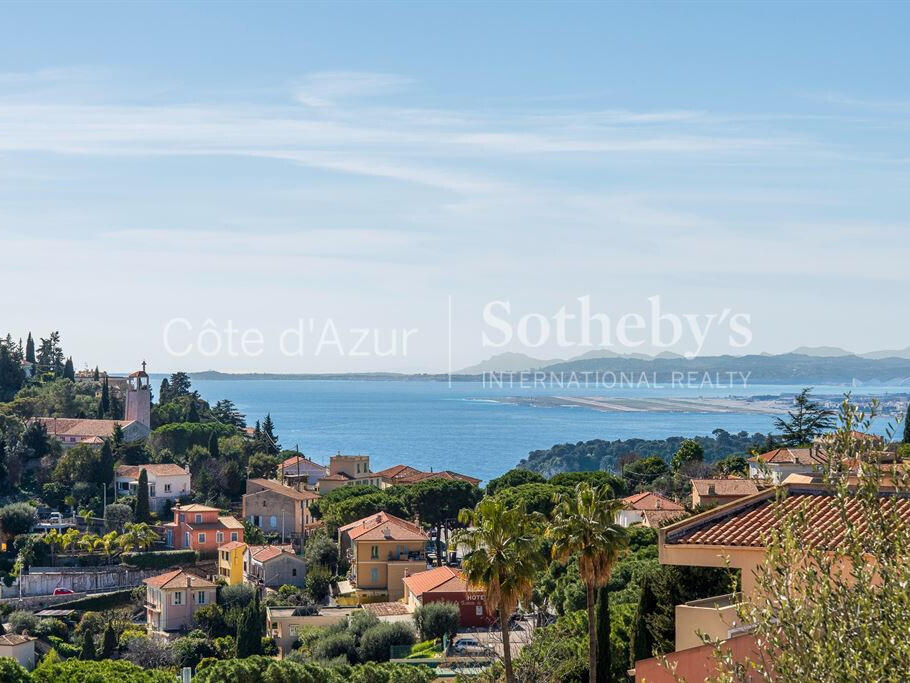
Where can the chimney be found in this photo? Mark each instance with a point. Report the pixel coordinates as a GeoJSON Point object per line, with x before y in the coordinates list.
{"type": "Point", "coordinates": [711, 489]}
{"type": "Point", "coordinates": [189, 581]}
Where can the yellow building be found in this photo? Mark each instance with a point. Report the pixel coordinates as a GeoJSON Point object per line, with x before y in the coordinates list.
{"type": "Point", "coordinates": [383, 550]}
{"type": "Point", "coordinates": [230, 562]}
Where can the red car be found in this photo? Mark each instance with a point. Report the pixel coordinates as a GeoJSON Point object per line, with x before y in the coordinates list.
{"type": "Point", "coordinates": [62, 591]}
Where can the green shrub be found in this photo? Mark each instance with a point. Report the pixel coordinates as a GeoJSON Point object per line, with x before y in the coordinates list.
{"type": "Point", "coordinates": [51, 627]}
{"type": "Point", "coordinates": [105, 671]}
{"type": "Point", "coordinates": [12, 671]}
{"type": "Point", "coordinates": [178, 437]}
{"type": "Point", "coordinates": [360, 621]}
{"type": "Point", "coordinates": [335, 645]}
{"type": "Point", "coordinates": [318, 581]}
{"type": "Point", "coordinates": [64, 648]}
{"type": "Point", "coordinates": [21, 620]}
{"type": "Point", "coordinates": [191, 649]}
{"type": "Point", "coordinates": [436, 619]}
{"type": "Point", "coordinates": [376, 642]}
{"type": "Point", "coordinates": [159, 559]}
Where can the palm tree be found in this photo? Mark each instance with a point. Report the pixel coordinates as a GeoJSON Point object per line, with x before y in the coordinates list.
{"type": "Point", "coordinates": [55, 541]}
{"type": "Point", "coordinates": [137, 535]}
{"type": "Point", "coordinates": [88, 542]}
{"type": "Point", "coordinates": [504, 555]}
{"type": "Point", "coordinates": [584, 526]}
{"type": "Point", "coordinates": [109, 542]}
{"type": "Point", "coordinates": [71, 538]}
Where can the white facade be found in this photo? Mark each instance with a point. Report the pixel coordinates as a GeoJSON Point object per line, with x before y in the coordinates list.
{"type": "Point", "coordinates": [627, 518]}
{"type": "Point", "coordinates": [166, 483]}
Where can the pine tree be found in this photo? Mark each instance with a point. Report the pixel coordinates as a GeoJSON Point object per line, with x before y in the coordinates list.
{"type": "Point", "coordinates": [268, 431]}
{"type": "Point", "coordinates": [88, 648]}
{"type": "Point", "coordinates": [109, 643]}
{"type": "Point", "coordinates": [30, 349]}
{"type": "Point", "coordinates": [69, 372]}
{"type": "Point", "coordinates": [142, 498]}
{"type": "Point", "coordinates": [907, 426]}
{"type": "Point", "coordinates": [192, 414]}
{"type": "Point", "coordinates": [602, 615]}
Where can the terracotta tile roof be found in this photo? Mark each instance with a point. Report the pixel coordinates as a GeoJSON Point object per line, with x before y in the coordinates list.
{"type": "Point", "coordinates": [658, 518]}
{"type": "Point", "coordinates": [725, 487]}
{"type": "Point", "coordinates": [383, 526]}
{"type": "Point", "coordinates": [744, 523]}
{"type": "Point", "coordinates": [132, 471]}
{"type": "Point", "coordinates": [281, 489]}
{"type": "Point", "coordinates": [195, 507]}
{"type": "Point", "coordinates": [176, 579]}
{"type": "Point", "coordinates": [792, 456]}
{"type": "Point", "coordinates": [442, 474]}
{"type": "Point", "coordinates": [232, 545]}
{"type": "Point", "coordinates": [397, 471]}
{"type": "Point", "coordinates": [67, 426]}
{"type": "Point", "coordinates": [264, 553]}
{"type": "Point", "coordinates": [226, 522]}
{"type": "Point", "coordinates": [386, 609]}
{"type": "Point", "coordinates": [649, 500]}
{"type": "Point", "coordinates": [292, 462]}
{"type": "Point", "coordinates": [440, 579]}
{"type": "Point", "coordinates": [13, 639]}
{"type": "Point", "coordinates": [339, 476]}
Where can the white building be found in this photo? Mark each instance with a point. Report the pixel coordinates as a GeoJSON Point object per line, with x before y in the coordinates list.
{"type": "Point", "coordinates": [650, 509]}
{"type": "Point", "coordinates": [166, 482]}
{"type": "Point", "coordinates": [780, 463]}
{"type": "Point", "coordinates": [20, 648]}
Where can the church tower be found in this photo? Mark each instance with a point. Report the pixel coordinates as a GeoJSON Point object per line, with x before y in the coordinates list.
{"type": "Point", "coordinates": [138, 398]}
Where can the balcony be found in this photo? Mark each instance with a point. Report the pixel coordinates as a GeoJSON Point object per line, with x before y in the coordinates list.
{"type": "Point", "coordinates": [412, 556]}
{"type": "Point", "coordinates": [715, 617]}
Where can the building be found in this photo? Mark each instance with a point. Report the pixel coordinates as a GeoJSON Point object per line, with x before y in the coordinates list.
{"type": "Point", "coordinates": [172, 598]}
{"type": "Point", "coordinates": [284, 624]}
{"type": "Point", "coordinates": [201, 528]}
{"type": "Point", "coordinates": [273, 566]}
{"type": "Point", "coordinates": [445, 584]}
{"type": "Point", "coordinates": [648, 508]}
{"type": "Point", "coordinates": [230, 562]}
{"type": "Point", "coordinates": [383, 548]}
{"type": "Point", "coordinates": [405, 474]}
{"type": "Point", "coordinates": [165, 482]}
{"type": "Point", "coordinates": [136, 424]}
{"type": "Point", "coordinates": [347, 470]}
{"type": "Point", "coordinates": [719, 491]}
{"type": "Point", "coordinates": [733, 535]}
{"type": "Point", "coordinates": [780, 463]}
{"type": "Point", "coordinates": [277, 508]}
{"type": "Point", "coordinates": [301, 470]}
{"type": "Point", "coordinates": [20, 648]}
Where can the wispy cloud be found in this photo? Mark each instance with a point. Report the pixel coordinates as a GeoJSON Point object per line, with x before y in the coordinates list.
{"type": "Point", "coordinates": [326, 88]}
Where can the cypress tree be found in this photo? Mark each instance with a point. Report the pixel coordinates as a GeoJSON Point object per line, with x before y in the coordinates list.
{"type": "Point", "coordinates": [88, 648]}
{"type": "Point", "coordinates": [164, 394]}
{"type": "Point", "coordinates": [249, 630]}
{"type": "Point", "coordinates": [642, 640]}
{"type": "Point", "coordinates": [142, 498]}
{"type": "Point", "coordinates": [602, 616]}
{"type": "Point", "coordinates": [30, 349]}
{"type": "Point", "coordinates": [96, 376]}
{"type": "Point", "coordinates": [109, 644]}
{"type": "Point", "coordinates": [106, 464]}
{"type": "Point", "coordinates": [192, 414]}
{"type": "Point", "coordinates": [2, 630]}
{"type": "Point", "coordinates": [907, 426]}
{"type": "Point", "coordinates": [69, 372]}
{"type": "Point", "coordinates": [105, 406]}
{"type": "Point", "coordinates": [213, 445]}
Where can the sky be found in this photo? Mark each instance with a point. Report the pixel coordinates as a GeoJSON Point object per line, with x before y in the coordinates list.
{"type": "Point", "coordinates": [350, 186]}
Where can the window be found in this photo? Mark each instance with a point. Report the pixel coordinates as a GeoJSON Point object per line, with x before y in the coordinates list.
{"type": "Point", "coordinates": [219, 537]}
{"type": "Point", "coordinates": [478, 610]}
{"type": "Point", "coordinates": [202, 538]}
{"type": "Point", "coordinates": [374, 552]}
{"type": "Point", "coordinates": [151, 490]}
{"type": "Point", "coordinates": [200, 598]}
{"type": "Point", "coordinates": [264, 503]}
{"type": "Point", "coordinates": [186, 538]}
{"type": "Point", "coordinates": [273, 521]}
{"type": "Point", "coordinates": [374, 575]}
{"type": "Point", "coordinates": [293, 571]}
{"type": "Point", "coordinates": [167, 488]}
{"type": "Point", "coordinates": [178, 598]}
{"type": "Point", "coordinates": [198, 519]}
{"type": "Point", "coordinates": [182, 517]}
{"type": "Point", "coordinates": [233, 535]}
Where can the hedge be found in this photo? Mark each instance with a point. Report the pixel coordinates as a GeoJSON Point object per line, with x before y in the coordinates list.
{"type": "Point", "coordinates": [159, 559]}
{"type": "Point", "coordinates": [178, 437]}
{"type": "Point", "coordinates": [99, 601]}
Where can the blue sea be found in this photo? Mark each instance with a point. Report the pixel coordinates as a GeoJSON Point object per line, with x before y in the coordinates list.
{"type": "Point", "coordinates": [431, 425]}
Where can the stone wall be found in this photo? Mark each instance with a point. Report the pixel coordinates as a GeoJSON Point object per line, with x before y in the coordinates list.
{"type": "Point", "coordinates": [42, 581]}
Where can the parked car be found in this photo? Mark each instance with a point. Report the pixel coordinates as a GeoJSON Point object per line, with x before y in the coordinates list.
{"type": "Point", "coordinates": [469, 646]}
{"type": "Point", "coordinates": [63, 591]}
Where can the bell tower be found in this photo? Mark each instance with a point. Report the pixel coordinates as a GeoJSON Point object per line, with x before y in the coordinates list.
{"type": "Point", "coordinates": [138, 398]}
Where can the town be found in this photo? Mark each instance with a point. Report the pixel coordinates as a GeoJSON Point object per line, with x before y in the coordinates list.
{"type": "Point", "coordinates": [167, 535]}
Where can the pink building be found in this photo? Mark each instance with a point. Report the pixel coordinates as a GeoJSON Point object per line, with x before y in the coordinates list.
{"type": "Point", "coordinates": [201, 528]}
{"type": "Point", "coordinates": [172, 598]}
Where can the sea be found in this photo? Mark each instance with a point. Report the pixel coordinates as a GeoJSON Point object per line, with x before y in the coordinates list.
{"type": "Point", "coordinates": [464, 426]}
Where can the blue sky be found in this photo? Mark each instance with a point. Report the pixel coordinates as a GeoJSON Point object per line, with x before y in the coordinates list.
{"type": "Point", "coordinates": [371, 163]}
